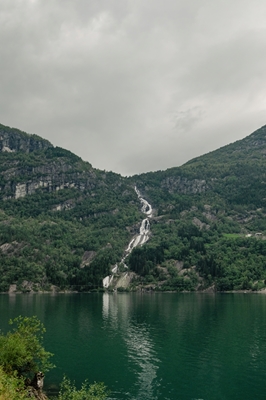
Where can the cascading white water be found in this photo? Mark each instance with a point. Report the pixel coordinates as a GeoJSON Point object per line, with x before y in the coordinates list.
{"type": "Point", "coordinates": [146, 208]}
{"type": "Point", "coordinates": [138, 240]}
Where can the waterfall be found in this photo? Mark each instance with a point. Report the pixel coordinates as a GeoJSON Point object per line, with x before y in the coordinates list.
{"type": "Point", "coordinates": [138, 240]}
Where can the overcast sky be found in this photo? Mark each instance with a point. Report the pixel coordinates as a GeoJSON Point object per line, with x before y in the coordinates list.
{"type": "Point", "coordinates": [134, 85]}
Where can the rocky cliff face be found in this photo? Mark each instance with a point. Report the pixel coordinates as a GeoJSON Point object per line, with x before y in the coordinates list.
{"type": "Point", "coordinates": [13, 140]}
{"type": "Point", "coordinates": [183, 185]}
{"type": "Point", "coordinates": [49, 182]}
{"type": "Point", "coordinates": [78, 224]}
{"type": "Point", "coordinates": [39, 165]}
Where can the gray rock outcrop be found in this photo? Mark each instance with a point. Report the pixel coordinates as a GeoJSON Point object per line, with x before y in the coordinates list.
{"type": "Point", "coordinates": [13, 140]}
{"type": "Point", "coordinates": [184, 185]}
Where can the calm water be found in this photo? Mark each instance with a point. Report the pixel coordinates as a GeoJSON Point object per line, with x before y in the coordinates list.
{"type": "Point", "coordinates": [159, 346]}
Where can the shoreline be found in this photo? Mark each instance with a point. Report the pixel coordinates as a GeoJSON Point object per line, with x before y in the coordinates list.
{"type": "Point", "coordinates": [262, 291]}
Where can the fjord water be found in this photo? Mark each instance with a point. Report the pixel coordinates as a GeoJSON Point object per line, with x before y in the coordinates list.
{"type": "Point", "coordinates": [153, 346]}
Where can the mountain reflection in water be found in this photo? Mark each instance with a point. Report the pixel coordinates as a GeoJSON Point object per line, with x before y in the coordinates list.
{"type": "Point", "coordinates": [162, 346]}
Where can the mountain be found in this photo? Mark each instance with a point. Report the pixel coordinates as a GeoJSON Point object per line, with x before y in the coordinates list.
{"type": "Point", "coordinates": [62, 222]}
{"type": "Point", "coordinates": [65, 223]}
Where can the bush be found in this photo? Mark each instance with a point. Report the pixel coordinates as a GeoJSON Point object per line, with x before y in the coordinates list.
{"type": "Point", "coordinates": [95, 391]}
{"type": "Point", "coordinates": [22, 355]}
{"type": "Point", "coordinates": [122, 289]}
{"type": "Point", "coordinates": [11, 387]}
{"type": "Point", "coordinates": [21, 351]}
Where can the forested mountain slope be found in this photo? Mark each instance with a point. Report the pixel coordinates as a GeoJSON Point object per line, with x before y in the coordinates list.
{"type": "Point", "coordinates": [62, 222]}
{"type": "Point", "coordinates": [211, 216]}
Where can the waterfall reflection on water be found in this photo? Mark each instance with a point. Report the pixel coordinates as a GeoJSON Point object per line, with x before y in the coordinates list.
{"type": "Point", "coordinates": [153, 346]}
{"type": "Point", "coordinates": [140, 347]}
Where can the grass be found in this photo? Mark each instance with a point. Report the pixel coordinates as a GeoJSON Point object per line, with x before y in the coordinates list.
{"type": "Point", "coordinates": [231, 235]}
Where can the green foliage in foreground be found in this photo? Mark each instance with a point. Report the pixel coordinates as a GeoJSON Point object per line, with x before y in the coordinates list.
{"type": "Point", "coordinates": [95, 391]}
{"type": "Point", "coordinates": [11, 387]}
{"type": "Point", "coordinates": [21, 351]}
{"type": "Point", "coordinates": [22, 354]}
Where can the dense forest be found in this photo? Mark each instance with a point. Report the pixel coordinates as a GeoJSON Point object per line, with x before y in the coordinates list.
{"type": "Point", "coordinates": [64, 225]}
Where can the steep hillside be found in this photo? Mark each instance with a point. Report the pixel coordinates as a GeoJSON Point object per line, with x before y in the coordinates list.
{"type": "Point", "coordinates": [64, 223]}
{"type": "Point", "coordinates": [211, 217]}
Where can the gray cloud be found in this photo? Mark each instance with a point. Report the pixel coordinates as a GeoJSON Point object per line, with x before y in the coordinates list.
{"type": "Point", "coordinates": [133, 86]}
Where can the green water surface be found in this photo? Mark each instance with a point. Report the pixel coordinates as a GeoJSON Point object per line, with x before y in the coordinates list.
{"type": "Point", "coordinates": [153, 346]}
